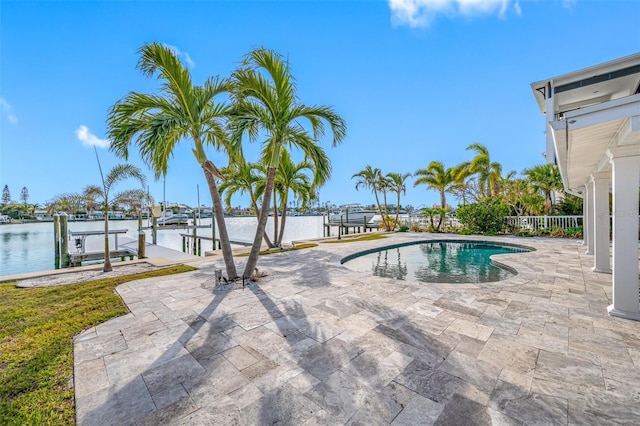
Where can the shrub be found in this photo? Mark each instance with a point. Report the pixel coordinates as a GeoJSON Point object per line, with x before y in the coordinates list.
{"type": "Point", "coordinates": [524, 234]}
{"type": "Point", "coordinates": [574, 232]}
{"type": "Point", "coordinates": [543, 232]}
{"type": "Point", "coordinates": [403, 228]}
{"type": "Point", "coordinates": [416, 228]}
{"type": "Point", "coordinates": [485, 217]}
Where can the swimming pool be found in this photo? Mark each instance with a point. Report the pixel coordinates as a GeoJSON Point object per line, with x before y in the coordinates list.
{"type": "Point", "coordinates": [438, 261]}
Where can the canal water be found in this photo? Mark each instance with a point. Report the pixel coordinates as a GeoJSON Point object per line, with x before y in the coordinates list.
{"type": "Point", "coordinates": [29, 247]}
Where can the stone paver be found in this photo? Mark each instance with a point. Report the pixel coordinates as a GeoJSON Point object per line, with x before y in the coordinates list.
{"type": "Point", "coordinates": [316, 343]}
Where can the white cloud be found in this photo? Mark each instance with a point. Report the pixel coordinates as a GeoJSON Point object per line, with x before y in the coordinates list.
{"type": "Point", "coordinates": [421, 13]}
{"type": "Point", "coordinates": [6, 109]}
{"type": "Point", "coordinates": [184, 56]}
{"type": "Point", "coordinates": [518, 8]}
{"type": "Point", "coordinates": [569, 4]}
{"type": "Point", "coordinates": [89, 139]}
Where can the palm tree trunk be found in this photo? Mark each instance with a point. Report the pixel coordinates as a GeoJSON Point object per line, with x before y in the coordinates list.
{"type": "Point", "coordinates": [387, 225]}
{"type": "Point", "coordinates": [262, 224]}
{"type": "Point", "coordinates": [275, 218]}
{"type": "Point", "coordinates": [375, 194]}
{"type": "Point", "coordinates": [547, 202]}
{"type": "Point", "coordinates": [267, 240]}
{"type": "Point", "coordinates": [398, 208]}
{"type": "Point", "coordinates": [283, 220]}
{"type": "Point", "coordinates": [218, 211]}
{"type": "Point", "coordinates": [443, 206]}
{"type": "Point", "coordinates": [107, 256]}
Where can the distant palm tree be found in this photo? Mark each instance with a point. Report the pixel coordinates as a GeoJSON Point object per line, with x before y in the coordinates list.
{"type": "Point", "coordinates": [134, 199]}
{"type": "Point", "coordinates": [265, 104]}
{"type": "Point", "coordinates": [397, 184]}
{"type": "Point", "coordinates": [156, 123]}
{"type": "Point", "coordinates": [384, 186]}
{"type": "Point", "coordinates": [117, 174]}
{"type": "Point", "coordinates": [545, 178]}
{"type": "Point", "coordinates": [440, 178]}
{"type": "Point", "coordinates": [372, 179]}
{"type": "Point", "coordinates": [489, 173]}
{"type": "Point", "coordinates": [65, 203]}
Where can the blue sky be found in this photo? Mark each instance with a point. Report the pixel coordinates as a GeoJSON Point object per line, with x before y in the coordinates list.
{"type": "Point", "coordinates": [415, 80]}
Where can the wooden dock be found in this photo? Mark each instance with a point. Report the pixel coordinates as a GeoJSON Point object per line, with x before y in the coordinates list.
{"type": "Point", "coordinates": [86, 250]}
{"type": "Point", "coordinates": [193, 243]}
{"type": "Point", "coordinates": [345, 228]}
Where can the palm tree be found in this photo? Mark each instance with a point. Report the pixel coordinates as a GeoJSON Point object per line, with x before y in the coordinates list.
{"type": "Point", "coordinates": [440, 178]}
{"type": "Point", "coordinates": [545, 178]}
{"type": "Point", "coordinates": [69, 202]}
{"type": "Point", "coordinates": [134, 199]}
{"type": "Point", "coordinates": [243, 177]}
{"type": "Point", "coordinates": [266, 105]}
{"type": "Point", "coordinates": [397, 185]}
{"type": "Point", "coordinates": [384, 186]}
{"type": "Point", "coordinates": [117, 174]}
{"type": "Point", "coordinates": [488, 172]}
{"type": "Point", "coordinates": [371, 178]}
{"type": "Point", "coordinates": [520, 196]}
{"type": "Point", "coordinates": [291, 177]}
{"type": "Point", "coordinates": [182, 111]}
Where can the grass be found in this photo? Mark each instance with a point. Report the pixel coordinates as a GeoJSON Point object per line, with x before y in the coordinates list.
{"type": "Point", "coordinates": [37, 327]}
{"type": "Point", "coordinates": [297, 247]}
{"type": "Point", "coordinates": [346, 239]}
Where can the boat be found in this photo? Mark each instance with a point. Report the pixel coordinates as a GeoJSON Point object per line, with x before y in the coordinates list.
{"type": "Point", "coordinates": [169, 218]}
{"type": "Point", "coordinates": [351, 213]}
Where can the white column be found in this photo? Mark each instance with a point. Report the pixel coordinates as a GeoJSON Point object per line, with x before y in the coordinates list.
{"type": "Point", "coordinates": [588, 217]}
{"type": "Point", "coordinates": [600, 209]}
{"type": "Point", "coordinates": [626, 175]}
{"type": "Point", "coordinates": [550, 110]}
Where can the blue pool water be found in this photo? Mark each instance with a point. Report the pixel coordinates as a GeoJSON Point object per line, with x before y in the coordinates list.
{"type": "Point", "coordinates": [436, 261]}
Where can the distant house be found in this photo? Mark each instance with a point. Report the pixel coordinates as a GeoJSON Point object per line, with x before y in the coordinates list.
{"type": "Point", "coordinates": [241, 212]}
{"type": "Point", "coordinates": [42, 215]}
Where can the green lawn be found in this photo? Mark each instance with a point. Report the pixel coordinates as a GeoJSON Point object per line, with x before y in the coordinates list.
{"type": "Point", "coordinates": [37, 326]}
{"type": "Point", "coordinates": [273, 251]}
{"type": "Point", "coordinates": [350, 239]}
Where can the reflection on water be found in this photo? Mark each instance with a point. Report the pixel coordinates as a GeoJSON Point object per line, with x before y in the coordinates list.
{"type": "Point", "coordinates": [389, 264]}
{"type": "Point", "coordinates": [30, 247]}
{"type": "Point", "coordinates": [440, 262]}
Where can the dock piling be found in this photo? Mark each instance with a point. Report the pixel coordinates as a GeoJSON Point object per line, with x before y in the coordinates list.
{"type": "Point", "coordinates": [194, 239]}
{"type": "Point", "coordinates": [56, 240]}
{"type": "Point", "coordinates": [64, 241]}
{"type": "Point", "coordinates": [142, 244]}
{"type": "Point", "coordinates": [154, 230]}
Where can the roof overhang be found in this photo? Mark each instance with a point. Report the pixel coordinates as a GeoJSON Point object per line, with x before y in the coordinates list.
{"type": "Point", "coordinates": [582, 137]}
{"type": "Point", "coordinates": [596, 112]}
{"type": "Point", "coordinates": [590, 86]}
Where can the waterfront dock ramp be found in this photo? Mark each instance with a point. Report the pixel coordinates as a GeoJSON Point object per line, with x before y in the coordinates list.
{"type": "Point", "coordinates": [121, 246]}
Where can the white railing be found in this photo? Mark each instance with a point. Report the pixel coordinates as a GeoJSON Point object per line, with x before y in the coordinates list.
{"type": "Point", "coordinates": [544, 222]}
{"type": "Point", "coordinates": [424, 221]}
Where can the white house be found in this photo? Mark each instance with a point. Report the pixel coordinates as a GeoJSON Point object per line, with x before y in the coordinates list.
{"type": "Point", "coordinates": [593, 135]}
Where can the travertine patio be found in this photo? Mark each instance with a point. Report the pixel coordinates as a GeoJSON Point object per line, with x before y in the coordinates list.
{"type": "Point", "coordinates": [315, 343]}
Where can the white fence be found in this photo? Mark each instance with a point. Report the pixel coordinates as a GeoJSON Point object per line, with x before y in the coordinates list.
{"type": "Point", "coordinates": [533, 223]}
{"type": "Point", "coordinates": [544, 222]}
